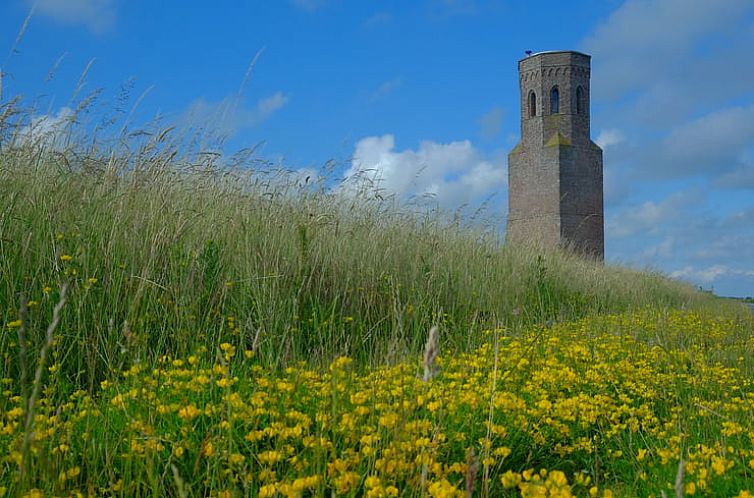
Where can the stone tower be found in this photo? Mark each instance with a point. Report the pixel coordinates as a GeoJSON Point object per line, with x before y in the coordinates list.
{"type": "Point", "coordinates": [555, 171]}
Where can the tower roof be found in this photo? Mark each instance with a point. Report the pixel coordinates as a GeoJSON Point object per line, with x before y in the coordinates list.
{"type": "Point", "coordinates": [549, 52]}
{"type": "Point", "coordinates": [555, 58]}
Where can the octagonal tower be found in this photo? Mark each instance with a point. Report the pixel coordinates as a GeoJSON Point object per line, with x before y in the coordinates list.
{"type": "Point", "coordinates": [555, 171]}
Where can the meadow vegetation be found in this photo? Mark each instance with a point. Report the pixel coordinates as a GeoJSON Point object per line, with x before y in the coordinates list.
{"type": "Point", "coordinates": [184, 324]}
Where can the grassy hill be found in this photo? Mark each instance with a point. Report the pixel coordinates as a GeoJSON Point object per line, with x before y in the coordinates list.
{"type": "Point", "coordinates": [171, 327]}
{"type": "Point", "coordinates": [162, 256]}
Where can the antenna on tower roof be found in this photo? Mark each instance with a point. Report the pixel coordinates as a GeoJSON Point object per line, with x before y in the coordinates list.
{"type": "Point", "coordinates": [528, 53]}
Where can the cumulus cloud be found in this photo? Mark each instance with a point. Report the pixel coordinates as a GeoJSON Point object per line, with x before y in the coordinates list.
{"type": "Point", "coordinates": [672, 72]}
{"type": "Point", "coordinates": [643, 40]}
{"type": "Point", "coordinates": [228, 116]}
{"type": "Point", "coordinates": [650, 216]}
{"type": "Point", "coordinates": [609, 137]}
{"type": "Point", "coordinates": [710, 274]}
{"type": "Point", "coordinates": [49, 131]}
{"type": "Point", "coordinates": [97, 15]}
{"type": "Point", "coordinates": [714, 143]}
{"type": "Point", "coordinates": [452, 174]}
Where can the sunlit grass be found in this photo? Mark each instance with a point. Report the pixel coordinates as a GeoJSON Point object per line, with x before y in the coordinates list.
{"type": "Point", "coordinates": [169, 257]}
{"type": "Point", "coordinates": [177, 324]}
{"type": "Point", "coordinates": [596, 407]}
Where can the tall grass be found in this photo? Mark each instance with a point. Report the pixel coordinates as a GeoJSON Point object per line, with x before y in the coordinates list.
{"type": "Point", "coordinates": [134, 268]}
{"type": "Point", "coordinates": [165, 251]}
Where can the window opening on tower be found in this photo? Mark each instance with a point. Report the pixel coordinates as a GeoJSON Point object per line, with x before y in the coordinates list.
{"type": "Point", "coordinates": [532, 104]}
{"type": "Point", "coordinates": [554, 100]}
{"type": "Point", "coordinates": [579, 100]}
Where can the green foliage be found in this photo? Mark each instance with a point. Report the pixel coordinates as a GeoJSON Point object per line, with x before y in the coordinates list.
{"type": "Point", "coordinates": [164, 258]}
{"type": "Point", "coordinates": [120, 270]}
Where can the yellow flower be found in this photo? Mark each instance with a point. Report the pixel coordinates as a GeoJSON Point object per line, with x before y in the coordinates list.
{"type": "Point", "coordinates": [510, 479]}
{"type": "Point", "coordinates": [267, 491]}
{"type": "Point", "coordinates": [66, 258]}
{"type": "Point", "coordinates": [443, 489]}
{"type": "Point", "coordinates": [189, 412]}
{"type": "Point", "coordinates": [269, 457]}
{"type": "Point", "coordinates": [372, 482]}
{"type": "Point", "coordinates": [690, 488]}
{"type": "Point", "coordinates": [14, 324]}
{"type": "Point", "coordinates": [227, 347]}
{"type": "Point", "coordinates": [340, 363]}
{"type": "Point", "coordinates": [718, 465]}
{"type": "Point", "coordinates": [208, 449]}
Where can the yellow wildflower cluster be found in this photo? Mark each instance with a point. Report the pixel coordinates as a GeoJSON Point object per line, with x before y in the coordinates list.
{"type": "Point", "coordinates": [600, 407]}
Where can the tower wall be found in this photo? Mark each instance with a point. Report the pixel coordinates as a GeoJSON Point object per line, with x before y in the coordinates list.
{"type": "Point", "coordinates": [555, 172]}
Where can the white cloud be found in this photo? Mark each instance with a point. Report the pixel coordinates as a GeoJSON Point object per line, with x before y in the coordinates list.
{"type": "Point", "coordinates": [643, 40]}
{"type": "Point", "coordinates": [50, 131]}
{"type": "Point", "coordinates": [710, 274]}
{"type": "Point", "coordinates": [97, 15]}
{"type": "Point", "coordinates": [713, 144]}
{"type": "Point", "coordinates": [267, 106]}
{"type": "Point", "coordinates": [609, 137]}
{"type": "Point", "coordinates": [453, 174]}
{"type": "Point", "coordinates": [667, 67]}
{"type": "Point", "coordinates": [649, 216]}
{"type": "Point", "coordinates": [491, 123]}
{"type": "Point", "coordinates": [228, 116]}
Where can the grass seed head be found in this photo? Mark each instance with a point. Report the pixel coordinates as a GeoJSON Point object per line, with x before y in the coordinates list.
{"type": "Point", "coordinates": [431, 351]}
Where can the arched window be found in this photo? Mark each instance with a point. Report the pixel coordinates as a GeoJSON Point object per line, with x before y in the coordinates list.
{"type": "Point", "coordinates": [554, 100]}
{"type": "Point", "coordinates": [579, 100]}
{"type": "Point", "coordinates": [532, 104]}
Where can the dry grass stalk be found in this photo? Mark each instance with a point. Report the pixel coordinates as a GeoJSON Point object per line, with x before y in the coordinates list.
{"type": "Point", "coordinates": [472, 469]}
{"type": "Point", "coordinates": [431, 352]}
{"type": "Point", "coordinates": [679, 478]}
{"type": "Point", "coordinates": [37, 382]}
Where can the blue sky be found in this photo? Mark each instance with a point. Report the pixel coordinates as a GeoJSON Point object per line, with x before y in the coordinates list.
{"type": "Point", "coordinates": [424, 93]}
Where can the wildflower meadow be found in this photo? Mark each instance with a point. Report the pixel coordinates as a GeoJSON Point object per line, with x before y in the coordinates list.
{"type": "Point", "coordinates": [175, 323]}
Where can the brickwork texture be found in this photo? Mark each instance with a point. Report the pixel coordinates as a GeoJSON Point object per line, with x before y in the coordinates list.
{"type": "Point", "coordinates": [555, 171]}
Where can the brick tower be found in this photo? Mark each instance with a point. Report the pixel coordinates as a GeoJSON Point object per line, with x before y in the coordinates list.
{"type": "Point", "coordinates": [555, 171]}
